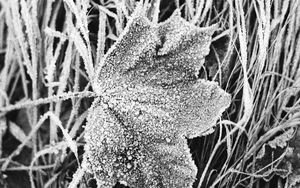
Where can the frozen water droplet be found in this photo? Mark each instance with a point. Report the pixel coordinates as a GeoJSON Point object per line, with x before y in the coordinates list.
{"type": "Point", "coordinates": [128, 165]}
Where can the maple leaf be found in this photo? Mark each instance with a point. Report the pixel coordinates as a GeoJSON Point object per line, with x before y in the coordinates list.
{"type": "Point", "coordinates": [150, 101]}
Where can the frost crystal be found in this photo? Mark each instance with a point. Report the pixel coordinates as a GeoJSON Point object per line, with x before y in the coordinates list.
{"type": "Point", "coordinates": [151, 100]}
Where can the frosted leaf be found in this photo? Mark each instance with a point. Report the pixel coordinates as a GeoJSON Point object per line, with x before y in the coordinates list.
{"type": "Point", "coordinates": [282, 140]}
{"type": "Point", "coordinates": [272, 153]}
{"type": "Point", "coordinates": [151, 101]}
{"type": "Point", "coordinates": [192, 107]}
{"type": "Point", "coordinates": [293, 157]}
{"type": "Point", "coordinates": [138, 38]}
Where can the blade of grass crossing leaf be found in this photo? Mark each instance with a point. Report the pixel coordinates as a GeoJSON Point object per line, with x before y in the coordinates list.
{"type": "Point", "coordinates": [76, 177]}
{"type": "Point", "coordinates": [40, 101]}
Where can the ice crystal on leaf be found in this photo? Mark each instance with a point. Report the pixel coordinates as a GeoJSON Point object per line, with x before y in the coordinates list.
{"type": "Point", "coordinates": [150, 101]}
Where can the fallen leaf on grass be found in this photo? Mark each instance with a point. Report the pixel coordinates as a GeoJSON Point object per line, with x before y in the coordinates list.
{"type": "Point", "coordinates": [271, 158]}
{"type": "Point", "coordinates": [293, 179]}
{"type": "Point", "coordinates": [150, 101]}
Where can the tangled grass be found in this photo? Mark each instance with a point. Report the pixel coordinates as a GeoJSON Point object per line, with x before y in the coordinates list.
{"type": "Point", "coordinates": [49, 51]}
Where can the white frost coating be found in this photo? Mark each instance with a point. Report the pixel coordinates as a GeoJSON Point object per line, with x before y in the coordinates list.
{"type": "Point", "coordinates": [151, 101]}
